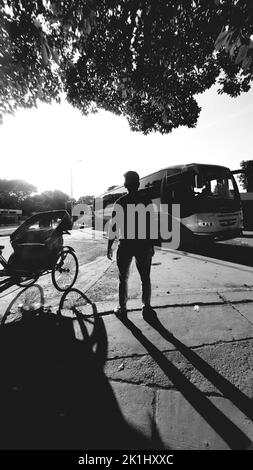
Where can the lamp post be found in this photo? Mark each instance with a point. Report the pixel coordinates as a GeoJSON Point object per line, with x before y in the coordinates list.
{"type": "Point", "coordinates": [71, 182]}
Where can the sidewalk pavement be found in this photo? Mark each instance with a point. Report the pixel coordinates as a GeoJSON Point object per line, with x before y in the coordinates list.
{"type": "Point", "coordinates": [185, 380]}
{"type": "Point", "coordinates": [189, 375]}
{"type": "Point", "coordinates": [196, 386]}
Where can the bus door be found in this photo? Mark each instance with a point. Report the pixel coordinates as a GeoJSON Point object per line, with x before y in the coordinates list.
{"type": "Point", "coordinates": [179, 189]}
{"type": "Point", "coordinates": [171, 193]}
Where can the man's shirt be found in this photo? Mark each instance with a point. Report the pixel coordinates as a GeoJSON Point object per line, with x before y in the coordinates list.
{"type": "Point", "coordinates": [131, 221]}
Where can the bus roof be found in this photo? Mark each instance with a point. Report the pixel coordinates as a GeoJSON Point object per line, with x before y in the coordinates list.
{"type": "Point", "coordinates": [195, 167]}
{"type": "Point", "coordinates": [190, 167]}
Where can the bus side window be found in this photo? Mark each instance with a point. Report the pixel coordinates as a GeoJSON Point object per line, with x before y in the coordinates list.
{"type": "Point", "coordinates": [166, 192]}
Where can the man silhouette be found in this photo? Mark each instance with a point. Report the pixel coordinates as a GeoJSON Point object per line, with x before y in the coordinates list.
{"type": "Point", "coordinates": [142, 249]}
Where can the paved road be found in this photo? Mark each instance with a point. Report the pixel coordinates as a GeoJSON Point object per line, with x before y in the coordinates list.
{"type": "Point", "coordinates": [6, 230]}
{"type": "Point", "coordinates": [202, 271]}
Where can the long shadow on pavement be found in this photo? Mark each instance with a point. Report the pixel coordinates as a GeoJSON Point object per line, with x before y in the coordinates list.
{"type": "Point", "coordinates": [54, 393]}
{"type": "Point", "coordinates": [223, 426]}
{"type": "Point", "coordinates": [231, 392]}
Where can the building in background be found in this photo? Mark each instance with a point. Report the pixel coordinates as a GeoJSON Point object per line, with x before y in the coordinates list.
{"type": "Point", "coordinates": [10, 216]}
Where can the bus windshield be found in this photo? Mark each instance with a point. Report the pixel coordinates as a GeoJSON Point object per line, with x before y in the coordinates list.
{"type": "Point", "coordinates": [215, 188]}
{"type": "Point", "coordinates": [208, 186]}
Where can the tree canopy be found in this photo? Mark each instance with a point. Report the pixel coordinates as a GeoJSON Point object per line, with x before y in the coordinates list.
{"type": "Point", "coordinates": [14, 192]}
{"type": "Point", "coordinates": [18, 194]}
{"type": "Point", "coordinates": [85, 200]}
{"type": "Point", "coordinates": [46, 201]}
{"type": "Point", "coordinates": [246, 177]}
{"type": "Point", "coordinates": [143, 59]}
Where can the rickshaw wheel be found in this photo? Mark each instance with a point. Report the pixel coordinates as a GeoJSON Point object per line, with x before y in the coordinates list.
{"type": "Point", "coordinates": [65, 270]}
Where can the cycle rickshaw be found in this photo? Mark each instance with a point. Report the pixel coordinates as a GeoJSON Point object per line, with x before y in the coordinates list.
{"type": "Point", "coordinates": [38, 249]}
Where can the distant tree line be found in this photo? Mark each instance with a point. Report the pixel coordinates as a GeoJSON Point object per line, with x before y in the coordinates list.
{"type": "Point", "coordinates": [88, 200]}
{"type": "Point", "coordinates": [18, 194]}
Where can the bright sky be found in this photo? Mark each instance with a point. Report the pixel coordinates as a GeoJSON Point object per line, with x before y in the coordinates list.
{"type": "Point", "coordinates": [44, 145]}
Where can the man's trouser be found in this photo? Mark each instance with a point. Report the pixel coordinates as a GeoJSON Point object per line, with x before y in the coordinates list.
{"type": "Point", "coordinates": [143, 258]}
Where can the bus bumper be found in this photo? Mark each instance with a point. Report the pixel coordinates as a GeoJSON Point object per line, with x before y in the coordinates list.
{"type": "Point", "coordinates": [224, 235]}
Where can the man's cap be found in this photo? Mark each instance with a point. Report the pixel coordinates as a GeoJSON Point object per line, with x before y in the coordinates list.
{"type": "Point", "coordinates": [131, 177]}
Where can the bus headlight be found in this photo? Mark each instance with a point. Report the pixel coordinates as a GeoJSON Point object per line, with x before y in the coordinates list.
{"type": "Point", "coordinates": [202, 223]}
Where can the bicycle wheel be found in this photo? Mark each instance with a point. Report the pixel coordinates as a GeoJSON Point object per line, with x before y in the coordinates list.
{"type": "Point", "coordinates": [29, 300]}
{"type": "Point", "coordinates": [65, 271]}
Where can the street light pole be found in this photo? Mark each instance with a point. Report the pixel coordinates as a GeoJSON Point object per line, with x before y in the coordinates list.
{"type": "Point", "coordinates": [71, 185]}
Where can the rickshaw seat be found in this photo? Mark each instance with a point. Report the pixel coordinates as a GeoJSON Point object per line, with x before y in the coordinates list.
{"type": "Point", "coordinates": [37, 236]}
{"type": "Point", "coordinates": [36, 246]}
{"type": "Point", "coordinates": [39, 240]}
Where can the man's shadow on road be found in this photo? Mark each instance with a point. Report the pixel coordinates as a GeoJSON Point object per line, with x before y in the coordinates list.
{"type": "Point", "coordinates": [53, 392]}
{"type": "Point", "coordinates": [223, 426]}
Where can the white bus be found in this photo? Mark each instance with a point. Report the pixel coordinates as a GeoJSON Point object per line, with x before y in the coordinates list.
{"type": "Point", "coordinates": [210, 205]}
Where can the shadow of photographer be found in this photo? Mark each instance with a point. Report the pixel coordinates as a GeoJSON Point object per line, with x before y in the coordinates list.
{"type": "Point", "coordinates": [54, 393]}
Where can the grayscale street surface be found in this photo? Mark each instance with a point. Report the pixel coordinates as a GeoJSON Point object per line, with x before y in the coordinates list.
{"type": "Point", "coordinates": [189, 376]}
